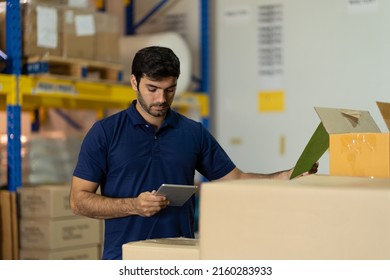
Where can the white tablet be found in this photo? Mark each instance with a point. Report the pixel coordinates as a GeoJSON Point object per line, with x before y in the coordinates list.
{"type": "Point", "coordinates": [177, 194]}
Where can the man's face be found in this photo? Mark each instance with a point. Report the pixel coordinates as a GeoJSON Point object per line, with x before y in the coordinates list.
{"type": "Point", "coordinates": [155, 97]}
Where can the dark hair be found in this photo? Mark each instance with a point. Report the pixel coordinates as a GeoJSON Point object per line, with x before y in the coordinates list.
{"type": "Point", "coordinates": [155, 62]}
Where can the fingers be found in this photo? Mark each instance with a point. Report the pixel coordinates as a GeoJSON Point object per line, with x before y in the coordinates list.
{"type": "Point", "coordinates": [314, 168]}
{"type": "Point", "coordinates": [149, 204]}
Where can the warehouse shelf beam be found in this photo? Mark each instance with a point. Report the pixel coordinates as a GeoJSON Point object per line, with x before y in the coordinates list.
{"type": "Point", "coordinates": [45, 91]}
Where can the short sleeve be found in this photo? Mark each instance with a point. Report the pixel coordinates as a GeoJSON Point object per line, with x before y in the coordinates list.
{"type": "Point", "coordinates": [214, 163]}
{"type": "Point", "coordinates": [92, 160]}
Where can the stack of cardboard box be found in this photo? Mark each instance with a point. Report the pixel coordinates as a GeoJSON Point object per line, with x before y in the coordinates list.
{"type": "Point", "coordinates": [62, 29]}
{"type": "Point", "coordinates": [49, 230]}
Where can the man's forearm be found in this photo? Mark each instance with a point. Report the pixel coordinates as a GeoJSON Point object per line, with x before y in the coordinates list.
{"type": "Point", "coordinates": [283, 175]}
{"type": "Point", "coordinates": [100, 207]}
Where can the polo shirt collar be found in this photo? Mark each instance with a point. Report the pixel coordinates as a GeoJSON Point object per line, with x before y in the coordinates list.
{"type": "Point", "coordinates": [136, 118]}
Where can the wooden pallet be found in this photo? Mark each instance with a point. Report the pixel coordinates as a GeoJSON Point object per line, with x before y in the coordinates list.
{"type": "Point", "coordinates": [73, 67]}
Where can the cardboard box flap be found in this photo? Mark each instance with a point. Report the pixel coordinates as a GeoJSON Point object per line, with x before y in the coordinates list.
{"type": "Point", "coordinates": [346, 120]}
{"type": "Point", "coordinates": [333, 121]}
{"type": "Point", "coordinates": [384, 108]}
{"type": "Point", "coordinates": [315, 148]}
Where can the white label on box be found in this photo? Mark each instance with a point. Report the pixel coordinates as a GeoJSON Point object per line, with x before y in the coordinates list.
{"type": "Point", "coordinates": [78, 3]}
{"type": "Point", "coordinates": [47, 35]}
{"type": "Point", "coordinates": [85, 25]}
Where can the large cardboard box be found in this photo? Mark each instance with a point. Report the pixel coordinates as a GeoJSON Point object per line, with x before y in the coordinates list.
{"type": "Point", "coordinates": [79, 33]}
{"type": "Point", "coordinates": [314, 217]}
{"type": "Point", "coordinates": [42, 27]}
{"type": "Point", "coordinates": [44, 201]}
{"type": "Point", "coordinates": [107, 38]}
{"type": "Point", "coordinates": [58, 233]}
{"type": "Point", "coordinates": [78, 253]}
{"type": "Point", "coordinates": [162, 249]}
{"type": "Point", "coordinates": [356, 145]}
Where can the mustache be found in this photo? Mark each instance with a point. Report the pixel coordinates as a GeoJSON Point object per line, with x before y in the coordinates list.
{"type": "Point", "coordinates": [160, 104]}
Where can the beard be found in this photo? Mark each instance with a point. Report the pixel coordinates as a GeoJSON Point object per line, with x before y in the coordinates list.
{"type": "Point", "coordinates": [163, 107]}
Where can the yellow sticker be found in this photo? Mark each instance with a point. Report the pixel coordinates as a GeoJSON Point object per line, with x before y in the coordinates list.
{"type": "Point", "coordinates": [271, 101]}
{"type": "Point", "coordinates": [99, 4]}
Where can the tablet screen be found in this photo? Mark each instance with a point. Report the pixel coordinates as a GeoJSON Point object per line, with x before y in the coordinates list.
{"type": "Point", "coordinates": [177, 194]}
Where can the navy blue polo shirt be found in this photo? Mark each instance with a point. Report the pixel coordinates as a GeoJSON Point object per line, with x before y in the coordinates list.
{"type": "Point", "coordinates": [126, 156]}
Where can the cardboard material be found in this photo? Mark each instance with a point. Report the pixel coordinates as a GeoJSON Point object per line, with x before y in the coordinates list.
{"type": "Point", "coordinates": [162, 249]}
{"type": "Point", "coordinates": [14, 225]}
{"type": "Point", "coordinates": [2, 26]}
{"type": "Point", "coordinates": [9, 241]}
{"type": "Point", "coordinates": [58, 233]}
{"type": "Point", "coordinates": [384, 108]}
{"type": "Point", "coordinates": [311, 217]}
{"type": "Point", "coordinates": [79, 253]}
{"type": "Point", "coordinates": [346, 120]}
{"type": "Point", "coordinates": [360, 154]}
{"type": "Point", "coordinates": [357, 147]}
{"type": "Point", "coordinates": [59, 28]}
{"type": "Point", "coordinates": [44, 201]}
{"type": "Point", "coordinates": [6, 226]}
{"type": "Point", "coordinates": [42, 25]}
{"type": "Point", "coordinates": [79, 33]}
{"type": "Point", "coordinates": [107, 38]}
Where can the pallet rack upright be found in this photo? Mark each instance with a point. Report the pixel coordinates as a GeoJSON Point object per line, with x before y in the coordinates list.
{"type": "Point", "coordinates": [14, 68]}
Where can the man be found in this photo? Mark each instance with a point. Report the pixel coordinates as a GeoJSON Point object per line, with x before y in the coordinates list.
{"type": "Point", "coordinates": [131, 153]}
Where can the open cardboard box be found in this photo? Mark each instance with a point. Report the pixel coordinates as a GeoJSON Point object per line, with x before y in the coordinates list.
{"type": "Point", "coordinates": [356, 145]}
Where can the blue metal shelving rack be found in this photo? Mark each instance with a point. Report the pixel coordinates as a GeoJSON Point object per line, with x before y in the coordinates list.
{"type": "Point", "coordinates": [14, 67]}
